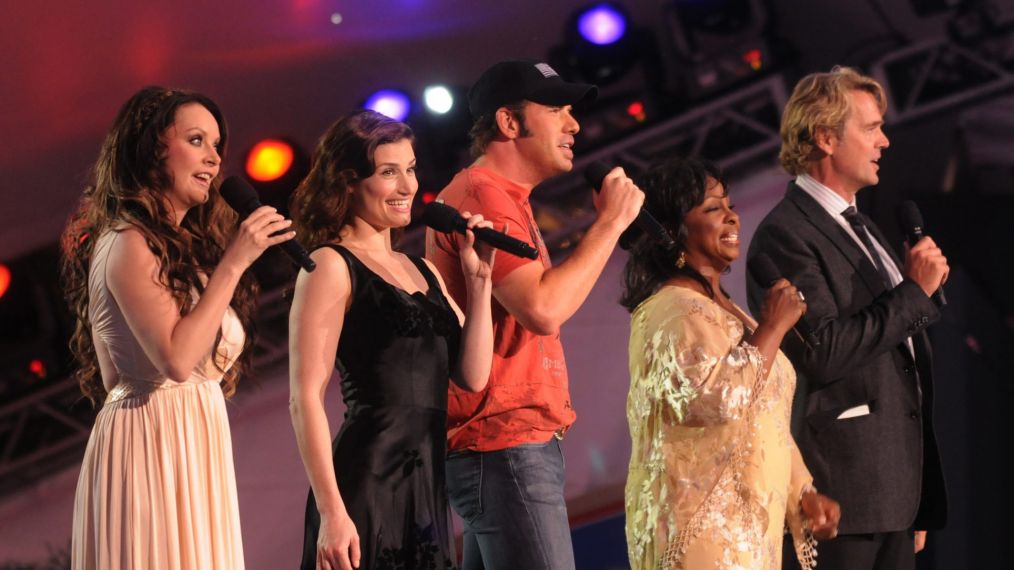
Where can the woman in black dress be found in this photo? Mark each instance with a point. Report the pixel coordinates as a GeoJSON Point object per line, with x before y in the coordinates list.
{"type": "Point", "coordinates": [377, 498]}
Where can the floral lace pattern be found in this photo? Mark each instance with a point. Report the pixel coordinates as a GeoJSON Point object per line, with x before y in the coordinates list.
{"type": "Point", "coordinates": [713, 464]}
{"type": "Point", "coordinates": [407, 316]}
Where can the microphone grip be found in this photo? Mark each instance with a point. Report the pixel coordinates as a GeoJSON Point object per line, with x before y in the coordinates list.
{"type": "Point", "coordinates": [652, 227]}
{"type": "Point", "coordinates": [939, 299]}
{"type": "Point", "coordinates": [298, 253]}
{"type": "Point", "coordinates": [806, 333]}
{"type": "Point", "coordinates": [764, 271]}
{"type": "Point", "coordinates": [505, 242]}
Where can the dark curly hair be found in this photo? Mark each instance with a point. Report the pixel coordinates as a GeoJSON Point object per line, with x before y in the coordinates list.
{"type": "Point", "coordinates": [321, 204]}
{"type": "Point", "coordinates": [129, 179]}
{"type": "Point", "coordinates": [671, 188]}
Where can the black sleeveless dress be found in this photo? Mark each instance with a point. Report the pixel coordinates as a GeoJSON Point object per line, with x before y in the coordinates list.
{"type": "Point", "coordinates": [395, 355]}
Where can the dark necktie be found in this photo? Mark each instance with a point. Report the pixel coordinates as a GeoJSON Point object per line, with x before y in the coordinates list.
{"type": "Point", "coordinates": [856, 220]}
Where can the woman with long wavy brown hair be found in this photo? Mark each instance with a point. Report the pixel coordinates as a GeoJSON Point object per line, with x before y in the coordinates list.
{"type": "Point", "coordinates": [154, 272]}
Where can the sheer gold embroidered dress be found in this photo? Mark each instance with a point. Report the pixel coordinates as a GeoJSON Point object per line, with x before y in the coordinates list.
{"type": "Point", "coordinates": [715, 475]}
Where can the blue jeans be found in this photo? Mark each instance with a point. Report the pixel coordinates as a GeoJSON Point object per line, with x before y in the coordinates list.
{"type": "Point", "coordinates": [512, 504]}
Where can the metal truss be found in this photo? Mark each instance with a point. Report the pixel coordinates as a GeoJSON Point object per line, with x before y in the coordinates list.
{"type": "Point", "coordinates": [42, 432]}
{"type": "Point", "coordinates": [47, 430]}
{"type": "Point", "coordinates": [931, 76]}
{"type": "Point", "coordinates": [731, 131]}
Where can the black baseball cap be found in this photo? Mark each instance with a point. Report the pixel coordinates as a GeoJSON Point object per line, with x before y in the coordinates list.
{"type": "Point", "coordinates": [516, 80]}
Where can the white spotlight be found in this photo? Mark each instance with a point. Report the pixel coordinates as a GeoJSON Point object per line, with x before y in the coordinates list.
{"type": "Point", "coordinates": [438, 99]}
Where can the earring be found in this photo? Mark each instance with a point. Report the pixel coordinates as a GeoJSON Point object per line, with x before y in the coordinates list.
{"type": "Point", "coordinates": [681, 261]}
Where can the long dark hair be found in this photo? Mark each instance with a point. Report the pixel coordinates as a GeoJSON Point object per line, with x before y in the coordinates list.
{"type": "Point", "coordinates": [129, 179]}
{"type": "Point", "coordinates": [671, 188]}
{"type": "Point", "coordinates": [321, 205]}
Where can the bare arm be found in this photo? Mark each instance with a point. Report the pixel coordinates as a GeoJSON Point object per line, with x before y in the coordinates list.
{"type": "Point", "coordinates": [315, 324]}
{"type": "Point", "coordinates": [176, 344]}
{"type": "Point", "coordinates": [475, 356]}
{"type": "Point", "coordinates": [543, 299]}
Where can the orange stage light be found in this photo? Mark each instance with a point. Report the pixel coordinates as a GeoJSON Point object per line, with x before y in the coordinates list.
{"type": "Point", "coordinates": [269, 160]}
{"type": "Point", "coordinates": [5, 279]}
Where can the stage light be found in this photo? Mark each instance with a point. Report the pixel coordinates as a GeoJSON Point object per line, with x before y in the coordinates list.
{"type": "Point", "coordinates": [438, 99]}
{"type": "Point", "coordinates": [5, 279]}
{"type": "Point", "coordinates": [389, 102]}
{"type": "Point", "coordinates": [38, 368]}
{"type": "Point", "coordinates": [719, 43]}
{"type": "Point", "coordinates": [754, 58]}
{"type": "Point", "coordinates": [269, 160]}
{"type": "Point", "coordinates": [428, 197]}
{"type": "Point", "coordinates": [637, 112]}
{"type": "Point", "coordinates": [601, 45]}
{"type": "Point", "coordinates": [602, 24]}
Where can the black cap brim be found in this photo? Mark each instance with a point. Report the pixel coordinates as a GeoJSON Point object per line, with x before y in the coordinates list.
{"type": "Point", "coordinates": [560, 94]}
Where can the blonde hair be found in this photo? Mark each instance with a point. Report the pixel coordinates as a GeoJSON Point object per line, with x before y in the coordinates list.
{"type": "Point", "coordinates": [820, 101]}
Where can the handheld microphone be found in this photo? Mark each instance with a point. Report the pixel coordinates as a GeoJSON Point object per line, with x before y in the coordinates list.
{"type": "Point", "coordinates": [910, 221]}
{"type": "Point", "coordinates": [446, 219]}
{"type": "Point", "coordinates": [243, 198]}
{"type": "Point", "coordinates": [765, 272]}
{"type": "Point", "coordinates": [595, 175]}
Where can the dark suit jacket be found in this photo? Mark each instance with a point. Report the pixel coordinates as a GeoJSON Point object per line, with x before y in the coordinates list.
{"type": "Point", "coordinates": [883, 468]}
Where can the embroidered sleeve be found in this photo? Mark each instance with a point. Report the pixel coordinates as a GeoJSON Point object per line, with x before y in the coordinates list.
{"type": "Point", "coordinates": [699, 362]}
{"type": "Point", "coordinates": [690, 374]}
{"type": "Point", "coordinates": [800, 482]}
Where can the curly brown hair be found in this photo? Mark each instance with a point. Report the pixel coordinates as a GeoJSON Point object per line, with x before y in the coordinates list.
{"type": "Point", "coordinates": [129, 178]}
{"type": "Point", "coordinates": [820, 101]}
{"type": "Point", "coordinates": [321, 204]}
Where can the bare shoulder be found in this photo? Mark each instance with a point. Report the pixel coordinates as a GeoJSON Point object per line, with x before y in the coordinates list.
{"type": "Point", "coordinates": [329, 262]}
{"type": "Point", "coordinates": [331, 277]}
{"type": "Point", "coordinates": [130, 256]}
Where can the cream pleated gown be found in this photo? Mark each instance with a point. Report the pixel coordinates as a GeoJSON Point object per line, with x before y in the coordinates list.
{"type": "Point", "coordinates": [157, 488]}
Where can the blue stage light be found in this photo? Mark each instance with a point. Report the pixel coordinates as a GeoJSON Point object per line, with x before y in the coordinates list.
{"type": "Point", "coordinates": [602, 24]}
{"type": "Point", "coordinates": [390, 102]}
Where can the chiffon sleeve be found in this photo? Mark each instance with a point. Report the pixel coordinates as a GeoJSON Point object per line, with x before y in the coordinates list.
{"type": "Point", "coordinates": [802, 539]}
{"type": "Point", "coordinates": [692, 379]}
{"type": "Point", "coordinates": [704, 370]}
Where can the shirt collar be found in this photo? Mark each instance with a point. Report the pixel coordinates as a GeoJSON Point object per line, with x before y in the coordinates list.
{"type": "Point", "coordinates": [827, 198]}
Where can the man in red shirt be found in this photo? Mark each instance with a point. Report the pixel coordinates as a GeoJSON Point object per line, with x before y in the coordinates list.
{"type": "Point", "coordinates": [505, 468]}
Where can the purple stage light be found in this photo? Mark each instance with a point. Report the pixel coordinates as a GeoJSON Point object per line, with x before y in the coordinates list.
{"type": "Point", "coordinates": [602, 24]}
{"type": "Point", "coordinates": [389, 102]}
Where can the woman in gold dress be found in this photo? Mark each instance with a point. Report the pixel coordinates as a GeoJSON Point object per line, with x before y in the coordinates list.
{"type": "Point", "coordinates": [715, 477]}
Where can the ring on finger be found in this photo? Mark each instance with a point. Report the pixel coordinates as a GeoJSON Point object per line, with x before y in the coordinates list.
{"type": "Point", "coordinates": [800, 295]}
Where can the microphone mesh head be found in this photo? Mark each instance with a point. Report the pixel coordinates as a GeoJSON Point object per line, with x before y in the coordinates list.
{"type": "Point", "coordinates": [909, 216]}
{"type": "Point", "coordinates": [239, 195]}
{"type": "Point", "coordinates": [596, 173]}
{"type": "Point", "coordinates": [442, 218]}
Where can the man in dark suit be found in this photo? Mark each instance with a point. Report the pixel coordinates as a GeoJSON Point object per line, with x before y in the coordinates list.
{"type": "Point", "coordinates": [867, 436]}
